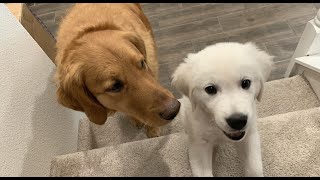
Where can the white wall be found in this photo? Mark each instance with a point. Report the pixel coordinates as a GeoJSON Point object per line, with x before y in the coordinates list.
{"type": "Point", "coordinates": [33, 126]}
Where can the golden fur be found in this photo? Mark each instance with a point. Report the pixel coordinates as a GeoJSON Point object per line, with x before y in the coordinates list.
{"type": "Point", "coordinates": [101, 47]}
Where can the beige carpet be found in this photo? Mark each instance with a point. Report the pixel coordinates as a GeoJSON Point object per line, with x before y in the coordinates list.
{"type": "Point", "coordinates": [287, 95]}
{"type": "Point", "coordinates": [280, 96]}
{"type": "Point", "coordinates": [290, 147]}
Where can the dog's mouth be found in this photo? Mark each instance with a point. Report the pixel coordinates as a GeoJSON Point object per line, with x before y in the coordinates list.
{"type": "Point", "coordinates": [236, 136]}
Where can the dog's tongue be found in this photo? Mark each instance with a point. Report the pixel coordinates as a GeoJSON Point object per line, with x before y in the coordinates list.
{"type": "Point", "coordinates": [236, 134]}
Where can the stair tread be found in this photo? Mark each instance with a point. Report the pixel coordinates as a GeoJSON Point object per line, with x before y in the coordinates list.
{"type": "Point", "coordinates": [118, 129]}
{"type": "Point", "coordinates": [287, 95]}
{"type": "Point", "coordinates": [289, 144]}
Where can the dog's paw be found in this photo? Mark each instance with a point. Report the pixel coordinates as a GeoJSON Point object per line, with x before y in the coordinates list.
{"type": "Point", "coordinates": [136, 123]}
{"type": "Point", "coordinates": [152, 132]}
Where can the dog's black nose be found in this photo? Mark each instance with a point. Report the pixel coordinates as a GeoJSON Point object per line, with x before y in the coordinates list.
{"type": "Point", "coordinates": [171, 110]}
{"type": "Point", "coordinates": [237, 121]}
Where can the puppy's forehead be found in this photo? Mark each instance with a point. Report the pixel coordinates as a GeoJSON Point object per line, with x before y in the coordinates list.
{"type": "Point", "coordinates": [224, 53]}
{"type": "Point", "coordinates": [223, 63]}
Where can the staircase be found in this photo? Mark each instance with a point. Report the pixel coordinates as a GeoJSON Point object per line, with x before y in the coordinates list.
{"type": "Point", "coordinates": [35, 128]}
{"type": "Point", "coordinates": [289, 125]}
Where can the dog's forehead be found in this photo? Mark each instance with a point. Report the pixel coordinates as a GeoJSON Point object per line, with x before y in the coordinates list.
{"type": "Point", "coordinates": [222, 78]}
{"type": "Point", "coordinates": [111, 53]}
{"type": "Point", "coordinates": [227, 64]}
{"type": "Point", "coordinates": [223, 66]}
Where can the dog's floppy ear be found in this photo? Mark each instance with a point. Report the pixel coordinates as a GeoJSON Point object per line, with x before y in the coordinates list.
{"type": "Point", "coordinates": [260, 92]}
{"type": "Point", "coordinates": [73, 93]}
{"type": "Point", "coordinates": [182, 79]}
{"type": "Point", "coordinates": [182, 76]}
{"type": "Point", "coordinates": [265, 64]}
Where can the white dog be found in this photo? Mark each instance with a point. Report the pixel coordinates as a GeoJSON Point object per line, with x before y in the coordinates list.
{"type": "Point", "coordinates": [220, 85]}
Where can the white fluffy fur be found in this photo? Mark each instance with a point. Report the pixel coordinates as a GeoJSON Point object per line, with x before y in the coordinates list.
{"type": "Point", "coordinates": [224, 65]}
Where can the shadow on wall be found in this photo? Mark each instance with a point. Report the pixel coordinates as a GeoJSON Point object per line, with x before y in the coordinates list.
{"type": "Point", "coordinates": [51, 134]}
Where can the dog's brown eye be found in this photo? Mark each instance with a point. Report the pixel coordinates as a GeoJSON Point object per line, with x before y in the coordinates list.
{"type": "Point", "coordinates": [117, 86]}
{"type": "Point", "coordinates": [143, 64]}
{"type": "Point", "coordinates": [245, 84]}
{"type": "Point", "coordinates": [211, 89]}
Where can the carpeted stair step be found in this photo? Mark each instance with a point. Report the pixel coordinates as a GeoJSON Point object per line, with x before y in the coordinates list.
{"type": "Point", "coordinates": [287, 95]}
{"type": "Point", "coordinates": [290, 147]}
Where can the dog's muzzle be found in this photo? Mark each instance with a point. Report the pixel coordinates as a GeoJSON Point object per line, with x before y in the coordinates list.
{"type": "Point", "coordinates": [171, 110]}
{"type": "Point", "coordinates": [236, 121]}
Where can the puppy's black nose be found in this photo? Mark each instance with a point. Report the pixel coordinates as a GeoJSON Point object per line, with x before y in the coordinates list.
{"type": "Point", "coordinates": [237, 121]}
{"type": "Point", "coordinates": [172, 109]}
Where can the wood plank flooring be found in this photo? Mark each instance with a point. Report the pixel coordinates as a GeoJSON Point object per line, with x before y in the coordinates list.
{"type": "Point", "coordinates": [182, 28]}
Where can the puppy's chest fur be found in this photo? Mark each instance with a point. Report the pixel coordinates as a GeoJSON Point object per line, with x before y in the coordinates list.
{"type": "Point", "coordinates": [204, 129]}
{"type": "Point", "coordinates": [199, 127]}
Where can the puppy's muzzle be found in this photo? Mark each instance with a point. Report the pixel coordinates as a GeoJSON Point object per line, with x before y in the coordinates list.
{"type": "Point", "coordinates": [237, 121]}
{"type": "Point", "coordinates": [171, 110]}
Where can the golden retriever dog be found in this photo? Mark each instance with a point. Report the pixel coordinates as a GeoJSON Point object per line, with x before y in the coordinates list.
{"type": "Point", "coordinates": [107, 62]}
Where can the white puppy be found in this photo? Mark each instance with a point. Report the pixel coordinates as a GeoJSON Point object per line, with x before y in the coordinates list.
{"type": "Point", "coordinates": [221, 84]}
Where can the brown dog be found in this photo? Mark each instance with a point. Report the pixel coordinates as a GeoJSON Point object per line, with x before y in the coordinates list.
{"type": "Point", "coordinates": [107, 62]}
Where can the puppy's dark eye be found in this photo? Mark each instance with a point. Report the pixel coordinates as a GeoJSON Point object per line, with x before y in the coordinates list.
{"type": "Point", "coordinates": [211, 90]}
{"type": "Point", "coordinates": [245, 84]}
{"type": "Point", "coordinates": [116, 87]}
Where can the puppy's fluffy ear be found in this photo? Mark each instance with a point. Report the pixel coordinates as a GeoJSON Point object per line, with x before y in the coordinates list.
{"type": "Point", "coordinates": [73, 93]}
{"type": "Point", "coordinates": [265, 64]}
{"type": "Point", "coordinates": [260, 91]}
{"type": "Point", "coordinates": [181, 78]}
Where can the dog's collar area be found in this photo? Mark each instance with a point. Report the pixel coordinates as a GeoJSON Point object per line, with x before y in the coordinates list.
{"type": "Point", "coordinates": [235, 136]}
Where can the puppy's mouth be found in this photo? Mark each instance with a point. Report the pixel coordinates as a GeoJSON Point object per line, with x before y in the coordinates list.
{"type": "Point", "coordinates": [236, 136]}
